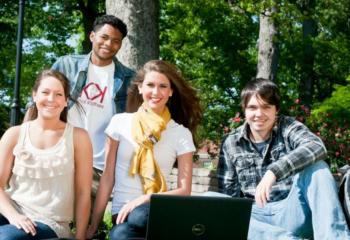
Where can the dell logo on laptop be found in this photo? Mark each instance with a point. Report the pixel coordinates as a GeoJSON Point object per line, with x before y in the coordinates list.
{"type": "Point", "coordinates": [198, 229]}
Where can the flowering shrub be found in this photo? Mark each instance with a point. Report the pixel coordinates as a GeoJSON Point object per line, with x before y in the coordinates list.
{"type": "Point", "coordinates": [233, 123]}
{"type": "Point", "coordinates": [335, 133]}
{"type": "Point", "coordinates": [299, 111]}
{"type": "Point", "coordinates": [330, 121]}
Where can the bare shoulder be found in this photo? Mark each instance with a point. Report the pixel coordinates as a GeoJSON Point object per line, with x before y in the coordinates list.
{"type": "Point", "coordinates": [11, 135]}
{"type": "Point", "coordinates": [80, 132]}
{"type": "Point", "coordinates": [80, 135]}
{"type": "Point", "coordinates": [82, 148]}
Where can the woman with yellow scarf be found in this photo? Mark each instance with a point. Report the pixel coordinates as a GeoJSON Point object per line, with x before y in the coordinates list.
{"type": "Point", "coordinates": [143, 146]}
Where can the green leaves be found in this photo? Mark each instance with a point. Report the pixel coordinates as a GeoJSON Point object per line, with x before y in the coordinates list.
{"type": "Point", "coordinates": [47, 27]}
{"type": "Point", "coordinates": [214, 43]}
{"type": "Point", "coordinates": [209, 45]}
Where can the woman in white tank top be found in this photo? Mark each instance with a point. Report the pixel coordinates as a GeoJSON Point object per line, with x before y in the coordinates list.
{"type": "Point", "coordinates": [45, 168]}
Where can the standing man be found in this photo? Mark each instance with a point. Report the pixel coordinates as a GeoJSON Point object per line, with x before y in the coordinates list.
{"type": "Point", "coordinates": [278, 161]}
{"type": "Point", "coordinates": [99, 84]}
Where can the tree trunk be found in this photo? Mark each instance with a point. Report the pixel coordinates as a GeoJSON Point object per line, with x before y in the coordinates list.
{"type": "Point", "coordinates": [141, 18]}
{"type": "Point", "coordinates": [268, 49]}
{"type": "Point", "coordinates": [308, 78]}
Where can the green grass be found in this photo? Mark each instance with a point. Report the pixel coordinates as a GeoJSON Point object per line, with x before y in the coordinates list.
{"type": "Point", "coordinates": [106, 225]}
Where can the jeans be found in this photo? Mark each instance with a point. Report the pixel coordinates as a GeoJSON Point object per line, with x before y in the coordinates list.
{"type": "Point", "coordinates": [134, 227]}
{"type": "Point", "coordinates": [311, 209]}
{"type": "Point", "coordinates": [9, 231]}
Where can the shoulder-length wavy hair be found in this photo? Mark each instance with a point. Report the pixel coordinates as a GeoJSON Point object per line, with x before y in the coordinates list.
{"type": "Point", "coordinates": [184, 105]}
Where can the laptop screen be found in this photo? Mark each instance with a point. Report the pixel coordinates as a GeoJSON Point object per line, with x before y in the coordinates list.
{"type": "Point", "coordinates": [198, 217]}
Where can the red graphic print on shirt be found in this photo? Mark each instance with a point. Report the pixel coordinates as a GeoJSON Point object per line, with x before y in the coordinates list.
{"type": "Point", "coordinates": [93, 91]}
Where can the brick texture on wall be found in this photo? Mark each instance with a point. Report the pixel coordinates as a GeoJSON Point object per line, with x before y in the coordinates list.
{"type": "Point", "coordinates": [203, 180]}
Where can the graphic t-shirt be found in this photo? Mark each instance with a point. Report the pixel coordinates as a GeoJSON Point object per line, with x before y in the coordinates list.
{"type": "Point", "coordinates": [97, 105]}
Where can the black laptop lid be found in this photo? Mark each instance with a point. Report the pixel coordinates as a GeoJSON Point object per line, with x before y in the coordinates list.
{"type": "Point", "coordinates": [198, 217]}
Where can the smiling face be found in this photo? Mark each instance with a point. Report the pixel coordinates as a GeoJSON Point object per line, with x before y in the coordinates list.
{"type": "Point", "coordinates": [50, 98]}
{"type": "Point", "coordinates": [106, 42]}
{"type": "Point", "coordinates": [260, 116]}
{"type": "Point", "coordinates": [156, 90]}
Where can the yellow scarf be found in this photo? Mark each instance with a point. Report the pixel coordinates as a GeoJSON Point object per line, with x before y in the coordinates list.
{"type": "Point", "coordinates": [147, 127]}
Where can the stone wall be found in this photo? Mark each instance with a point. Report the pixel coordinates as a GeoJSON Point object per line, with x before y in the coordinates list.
{"type": "Point", "coordinates": [203, 180]}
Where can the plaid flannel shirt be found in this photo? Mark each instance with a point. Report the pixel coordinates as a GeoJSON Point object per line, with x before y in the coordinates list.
{"type": "Point", "coordinates": [292, 148]}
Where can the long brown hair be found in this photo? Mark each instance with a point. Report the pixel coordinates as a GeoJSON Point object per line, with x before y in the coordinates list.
{"type": "Point", "coordinates": [32, 111]}
{"type": "Point", "coordinates": [183, 105]}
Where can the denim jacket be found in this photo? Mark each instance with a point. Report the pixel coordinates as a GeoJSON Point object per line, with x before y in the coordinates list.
{"type": "Point", "coordinates": [292, 148]}
{"type": "Point", "coordinates": [75, 68]}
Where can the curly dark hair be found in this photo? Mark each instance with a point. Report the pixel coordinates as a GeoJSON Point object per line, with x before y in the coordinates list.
{"type": "Point", "coordinates": [111, 20]}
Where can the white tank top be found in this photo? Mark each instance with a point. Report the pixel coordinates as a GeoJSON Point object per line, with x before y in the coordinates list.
{"type": "Point", "coordinates": [42, 181]}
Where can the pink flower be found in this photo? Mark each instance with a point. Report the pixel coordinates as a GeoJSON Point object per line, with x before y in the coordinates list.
{"type": "Point", "coordinates": [297, 101]}
{"type": "Point", "coordinates": [237, 119]}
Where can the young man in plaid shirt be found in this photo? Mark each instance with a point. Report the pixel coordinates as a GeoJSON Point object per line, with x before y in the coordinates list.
{"type": "Point", "coordinates": [278, 161]}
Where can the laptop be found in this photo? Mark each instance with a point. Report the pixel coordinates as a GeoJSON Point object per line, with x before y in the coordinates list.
{"type": "Point", "coordinates": [198, 218]}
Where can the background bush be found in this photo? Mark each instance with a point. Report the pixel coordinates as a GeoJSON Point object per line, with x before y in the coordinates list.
{"type": "Point", "coordinates": [331, 120]}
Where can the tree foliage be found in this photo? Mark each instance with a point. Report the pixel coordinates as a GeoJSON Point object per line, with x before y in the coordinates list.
{"type": "Point", "coordinates": [214, 43]}
{"type": "Point", "coordinates": [216, 48]}
{"type": "Point", "coordinates": [50, 29]}
{"type": "Point", "coordinates": [212, 46]}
